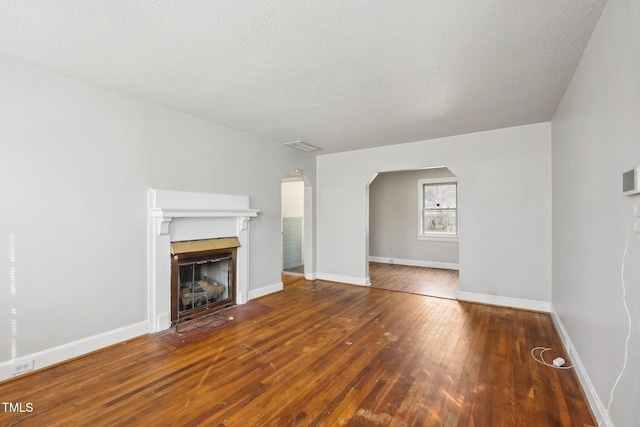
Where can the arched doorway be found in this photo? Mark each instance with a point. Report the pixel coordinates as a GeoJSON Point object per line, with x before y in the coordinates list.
{"type": "Point", "coordinates": [411, 237]}
{"type": "Point", "coordinates": [292, 226]}
{"type": "Point", "coordinates": [296, 225]}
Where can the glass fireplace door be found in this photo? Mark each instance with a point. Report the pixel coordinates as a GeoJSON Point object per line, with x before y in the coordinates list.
{"type": "Point", "coordinates": [203, 285]}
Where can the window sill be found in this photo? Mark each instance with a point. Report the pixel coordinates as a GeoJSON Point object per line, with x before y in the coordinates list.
{"type": "Point", "coordinates": [434, 238]}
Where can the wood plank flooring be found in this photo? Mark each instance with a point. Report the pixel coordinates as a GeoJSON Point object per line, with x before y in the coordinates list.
{"type": "Point", "coordinates": [433, 282]}
{"type": "Point", "coordinates": [323, 354]}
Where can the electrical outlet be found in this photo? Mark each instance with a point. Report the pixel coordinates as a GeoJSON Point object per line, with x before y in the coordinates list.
{"type": "Point", "coordinates": [22, 367]}
{"type": "Point", "coordinates": [636, 218]}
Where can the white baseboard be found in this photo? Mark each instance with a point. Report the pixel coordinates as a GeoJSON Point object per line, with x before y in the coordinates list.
{"type": "Point", "coordinates": [527, 304]}
{"type": "Point", "coordinates": [310, 276]}
{"type": "Point", "coordinates": [416, 263]}
{"type": "Point", "coordinates": [362, 281]}
{"type": "Point", "coordinates": [265, 290]}
{"type": "Point", "coordinates": [68, 351]}
{"type": "Point", "coordinates": [599, 410]}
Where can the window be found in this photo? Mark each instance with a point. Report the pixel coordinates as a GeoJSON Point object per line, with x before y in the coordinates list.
{"type": "Point", "coordinates": [438, 208]}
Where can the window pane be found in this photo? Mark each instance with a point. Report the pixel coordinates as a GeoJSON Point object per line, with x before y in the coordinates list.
{"type": "Point", "coordinates": [440, 222]}
{"type": "Point", "coordinates": [440, 196]}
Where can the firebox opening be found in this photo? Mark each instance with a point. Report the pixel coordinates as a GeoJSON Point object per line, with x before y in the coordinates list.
{"type": "Point", "coordinates": [203, 278]}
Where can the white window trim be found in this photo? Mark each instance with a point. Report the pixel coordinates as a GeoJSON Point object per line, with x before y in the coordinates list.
{"type": "Point", "coordinates": [437, 237]}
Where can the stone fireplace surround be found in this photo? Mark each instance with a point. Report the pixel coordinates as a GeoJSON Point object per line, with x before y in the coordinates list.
{"type": "Point", "coordinates": [184, 215]}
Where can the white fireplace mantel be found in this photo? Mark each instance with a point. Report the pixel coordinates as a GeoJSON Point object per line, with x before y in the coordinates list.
{"type": "Point", "coordinates": [185, 215]}
{"type": "Point", "coordinates": [164, 216]}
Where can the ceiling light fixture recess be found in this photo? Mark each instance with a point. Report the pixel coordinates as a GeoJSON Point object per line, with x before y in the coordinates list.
{"type": "Point", "coordinates": [302, 146]}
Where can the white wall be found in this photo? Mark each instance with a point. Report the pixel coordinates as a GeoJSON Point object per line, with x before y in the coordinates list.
{"type": "Point", "coordinates": [394, 221]}
{"type": "Point", "coordinates": [596, 137]}
{"type": "Point", "coordinates": [75, 168]}
{"type": "Point", "coordinates": [293, 199]}
{"type": "Point", "coordinates": [504, 184]}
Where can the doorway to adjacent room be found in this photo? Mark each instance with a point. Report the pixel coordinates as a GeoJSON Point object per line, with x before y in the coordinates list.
{"type": "Point", "coordinates": [292, 216]}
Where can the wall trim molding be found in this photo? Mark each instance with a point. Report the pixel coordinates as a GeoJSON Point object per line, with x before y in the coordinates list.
{"type": "Point", "coordinates": [265, 290]}
{"type": "Point", "coordinates": [64, 352]}
{"type": "Point", "coordinates": [416, 262]}
{"type": "Point", "coordinates": [598, 408]}
{"type": "Point", "coordinates": [527, 304]}
{"type": "Point", "coordinates": [351, 280]}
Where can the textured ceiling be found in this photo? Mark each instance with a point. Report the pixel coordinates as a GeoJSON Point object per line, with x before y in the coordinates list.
{"type": "Point", "coordinates": [337, 74]}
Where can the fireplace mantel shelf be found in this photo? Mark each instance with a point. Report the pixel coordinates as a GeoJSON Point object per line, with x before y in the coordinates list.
{"type": "Point", "coordinates": [164, 216]}
{"type": "Point", "coordinates": [202, 213]}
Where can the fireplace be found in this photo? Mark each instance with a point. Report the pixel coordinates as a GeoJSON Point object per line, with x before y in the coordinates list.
{"type": "Point", "coordinates": [179, 218]}
{"type": "Point", "coordinates": [202, 277]}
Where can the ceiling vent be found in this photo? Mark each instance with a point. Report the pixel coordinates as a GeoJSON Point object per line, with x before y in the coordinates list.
{"type": "Point", "coordinates": [302, 146]}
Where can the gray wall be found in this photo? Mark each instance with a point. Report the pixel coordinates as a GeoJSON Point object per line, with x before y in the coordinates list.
{"type": "Point", "coordinates": [393, 220]}
{"type": "Point", "coordinates": [76, 164]}
{"type": "Point", "coordinates": [505, 170]}
{"type": "Point", "coordinates": [596, 137]}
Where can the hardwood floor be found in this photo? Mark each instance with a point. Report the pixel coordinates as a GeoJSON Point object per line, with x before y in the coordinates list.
{"type": "Point", "coordinates": [432, 282]}
{"type": "Point", "coordinates": [321, 353]}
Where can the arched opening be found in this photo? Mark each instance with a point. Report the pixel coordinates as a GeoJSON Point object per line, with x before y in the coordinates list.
{"type": "Point", "coordinates": [296, 227]}
{"type": "Point", "coordinates": [413, 232]}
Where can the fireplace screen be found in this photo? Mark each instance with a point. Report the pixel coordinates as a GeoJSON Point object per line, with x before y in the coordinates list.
{"type": "Point", "coordinates": [202, 282]}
